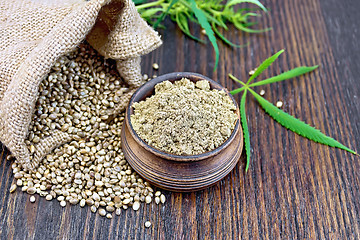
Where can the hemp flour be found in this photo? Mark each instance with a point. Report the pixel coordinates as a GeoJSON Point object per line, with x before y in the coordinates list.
{"type": "Point", "coordinates": [185, 118]}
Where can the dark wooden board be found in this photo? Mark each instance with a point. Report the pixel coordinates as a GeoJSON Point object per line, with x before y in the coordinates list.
{"type": "Point", "coordinates": [294, 189]}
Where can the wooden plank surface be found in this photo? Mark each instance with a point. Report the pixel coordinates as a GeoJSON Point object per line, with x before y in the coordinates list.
{"type": "Point", "coordinates": [294, 189]}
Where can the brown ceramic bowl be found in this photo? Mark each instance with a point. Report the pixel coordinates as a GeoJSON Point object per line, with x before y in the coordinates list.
{"type": "Point", "coordinates": [179, 172]}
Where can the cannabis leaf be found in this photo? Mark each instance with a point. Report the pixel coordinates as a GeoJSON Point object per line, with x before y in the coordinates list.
{"type": "Point", "coordinates": [264, 65]}
{"type": "Point", "coordinates": [296, 125]}
{"type": "Point", "coordinates": [163, 15]}
{"type": "Point", "coordinates": [245, 128]}
{"type": "Point", "coordinates": [211, 15]}
{"type": "Point", "coordinates": [205, 24]}
{"type": "Point", "coordinates": [286, 75]}
{"type": "Point", "coordinates": [277, 114]}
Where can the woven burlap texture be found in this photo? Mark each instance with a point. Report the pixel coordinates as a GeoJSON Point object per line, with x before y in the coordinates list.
{"type": "Point", "coordinates": [34, 34]}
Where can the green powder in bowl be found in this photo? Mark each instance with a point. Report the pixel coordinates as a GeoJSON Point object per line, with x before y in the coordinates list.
{"type": "Point", "coordinates": [185, 118]}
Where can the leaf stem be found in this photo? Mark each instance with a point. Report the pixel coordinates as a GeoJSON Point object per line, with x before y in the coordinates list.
{"type": "Point", "coordinates": [150, 4]}
{"type": "Point", "coordinates": [237, 80]}
{"type": "Point", "coordinates": [236, 91]}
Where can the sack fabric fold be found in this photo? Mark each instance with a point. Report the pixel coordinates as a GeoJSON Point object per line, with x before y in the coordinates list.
{"type": "Point", "coordinates": [34, 34]}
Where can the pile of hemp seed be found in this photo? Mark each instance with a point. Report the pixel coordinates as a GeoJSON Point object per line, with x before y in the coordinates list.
{"type": "Point", "coordinates": [90, 170]}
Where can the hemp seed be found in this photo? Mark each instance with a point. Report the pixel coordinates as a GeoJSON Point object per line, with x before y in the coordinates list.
{"type": "Point", "coordinates": [13, 188]}
{"type": "Point", "coordinates": [162, 198]}
{"type": "Point", "coordinates": [102, 212]}
{"type": "Point", "coordinates": [78, 97]}
{"type": "Point", "coordinates": [63, 203]}
{"type": "Point", "coordinates": [155, 66]}
{"type": "Point", "coordinates": [136, 206]}
{"type": "Point", "coordinates": [147, 224]}
{"type": "Point", "coordinates": [279, 104]}
{"type": "Point", "coordinates": [252, 72]}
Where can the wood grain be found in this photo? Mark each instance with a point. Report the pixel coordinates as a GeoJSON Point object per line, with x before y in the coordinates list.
{"type": "Point", "coordinates": [294, 189]}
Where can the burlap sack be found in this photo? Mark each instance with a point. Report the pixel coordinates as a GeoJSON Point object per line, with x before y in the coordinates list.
{"type": "Point", "coordinates": [34, 33]}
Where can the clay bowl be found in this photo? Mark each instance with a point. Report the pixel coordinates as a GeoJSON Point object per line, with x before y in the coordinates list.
{"type": "Point", "coordinates": [178, 172]}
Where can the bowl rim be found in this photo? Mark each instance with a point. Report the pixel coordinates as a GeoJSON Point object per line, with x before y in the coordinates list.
{"type": "Point", "coordinates": [175, 76]}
